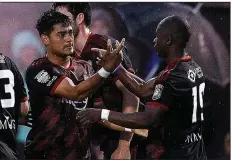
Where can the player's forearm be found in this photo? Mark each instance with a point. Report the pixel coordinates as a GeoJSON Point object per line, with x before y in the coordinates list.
{"type": "Point", "coordinates": [130, 105]}
{"type": "Point", "coordinates": [131, 120]}
{"type": "Point", "coordinates": [85, 88]}
{"type": "Point", "coordinates": [130, 82]}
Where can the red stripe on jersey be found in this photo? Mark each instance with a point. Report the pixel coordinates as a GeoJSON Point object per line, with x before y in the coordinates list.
{"type": "Point", "coordinates": [164, 74]}
{"type": "Point", "coordinates": [56, 85]}
{"type": "Point", "coordinates": [70, 65]}
{"type": "Point", "coordinates": [157, 104]}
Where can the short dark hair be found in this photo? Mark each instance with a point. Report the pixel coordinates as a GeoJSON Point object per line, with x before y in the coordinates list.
{"type": "Point", "coordinates": [75, 8]}
{"type": "Point", "coordinates": [179, 27]}
{"type": "Point", "coordinates": [50, 18]}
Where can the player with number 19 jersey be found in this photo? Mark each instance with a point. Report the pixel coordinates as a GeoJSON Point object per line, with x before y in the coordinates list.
{"type": "Point", "coordinates": [12, 93]}
{"type": "Point", "coordinates": [179, 89]}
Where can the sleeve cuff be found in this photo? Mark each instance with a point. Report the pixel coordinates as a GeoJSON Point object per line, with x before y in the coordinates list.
{"type": "Point", "coordinates": [56, 84]}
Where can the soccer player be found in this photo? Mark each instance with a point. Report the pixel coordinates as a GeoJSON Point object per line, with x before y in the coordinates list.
{"type": "Point", "coordinates": [13, 101]}
{"type": "Point", "coordinates": [178, 92]}
{"type": "Point", "coordinates": [113, 94]}
{"type": "Point", "coordinates": [59, 87]}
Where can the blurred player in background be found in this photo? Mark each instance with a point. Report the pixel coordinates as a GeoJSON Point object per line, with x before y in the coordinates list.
{"type": "Point", "coordinates": [13, 102]}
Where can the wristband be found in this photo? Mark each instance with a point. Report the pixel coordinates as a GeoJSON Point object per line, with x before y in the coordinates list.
{"type": "Point", "coordinates": [128, 130]}
{"type": "Point", "coordinates": [117, 69]}
{"type": "Point", "coordinates": [105, 114]}
{"type": "Point", "coordinates": [103, 73]}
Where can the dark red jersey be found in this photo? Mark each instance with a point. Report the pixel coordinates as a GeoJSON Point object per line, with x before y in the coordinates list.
{"type": "Point", "coordinates": [55, 133]}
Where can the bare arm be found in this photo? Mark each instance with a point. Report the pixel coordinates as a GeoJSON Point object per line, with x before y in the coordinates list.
{"type": "Point", "coordinates": [151, 117]}
{"type": "Point", "coordinates": [139, 88]}
{"type": "Point", "coordinates": [130, 105]}
{"type": "Point", "coordinates": [79, 92]}
{"type": "Point", "coordinates": [68, 90]}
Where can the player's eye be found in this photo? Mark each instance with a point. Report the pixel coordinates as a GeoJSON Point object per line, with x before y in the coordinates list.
{"type": "Point", "coordinates": [70, 33]}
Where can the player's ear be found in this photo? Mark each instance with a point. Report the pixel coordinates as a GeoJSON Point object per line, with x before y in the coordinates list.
{"type": "Point", "coordinates": [80, 18]}
{"type": "Point", "coordinates": [45, 39]}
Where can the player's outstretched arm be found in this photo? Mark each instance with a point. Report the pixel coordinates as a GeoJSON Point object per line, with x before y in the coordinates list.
{"type": "Point", "coordinates": [135, 84]}
{"type": "Point", "coordinates": [78, 92]}
{"type": "Point", "coordinates": [130, 120]}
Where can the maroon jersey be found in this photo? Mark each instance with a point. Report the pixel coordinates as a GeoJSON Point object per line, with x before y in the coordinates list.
{"type": "Point", "coordinates": [108, 92]}
{"type": "Point", "coordinates": [55, 133]}
{"type": "Point", "coordinates": [179, 90]}
{"type": "Point", "coordinates": [12, 93]}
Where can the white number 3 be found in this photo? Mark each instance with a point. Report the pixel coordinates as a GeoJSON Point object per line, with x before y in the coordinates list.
{"type": "Point", "coordinates": [201, 93]}
{"type": "Point", "coordinates": [9, 88]}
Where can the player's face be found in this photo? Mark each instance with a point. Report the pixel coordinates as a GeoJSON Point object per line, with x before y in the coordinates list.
{"type": "Point", "coordinates": [65, 11]}
{"type": "Point", "coordinates": [159, 44]}
{"type": "Point", "coordinates": [61, 40]}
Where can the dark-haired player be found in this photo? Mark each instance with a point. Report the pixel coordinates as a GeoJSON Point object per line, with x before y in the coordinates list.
{"type": "Point", "coordinates": [59, 87]}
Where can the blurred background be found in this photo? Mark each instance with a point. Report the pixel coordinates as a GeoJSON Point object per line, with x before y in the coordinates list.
{"type": "Point", "coordinates": [209, 46]}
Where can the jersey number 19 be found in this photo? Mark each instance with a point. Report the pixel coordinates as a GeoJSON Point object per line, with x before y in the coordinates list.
{"type": "Point", "coordinates": [197, 93]}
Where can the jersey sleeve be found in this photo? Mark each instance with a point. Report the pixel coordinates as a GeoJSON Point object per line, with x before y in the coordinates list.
{"type": "Point", "coordinates": [19, 82]}
{"type": "Point", "coordinates": [43, 80]}
{"type": "Point", "coordinates": [165, 89]}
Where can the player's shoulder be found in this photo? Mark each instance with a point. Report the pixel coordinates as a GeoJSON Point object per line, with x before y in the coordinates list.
{"type": "Point", "coordinates": [5, 59]}
{"type": "Point", "coordinates": [6, 62]}
{"type": "Point", "coordinates": [39, 64]}
{"type": "Point", "coordinates": [187, 72]}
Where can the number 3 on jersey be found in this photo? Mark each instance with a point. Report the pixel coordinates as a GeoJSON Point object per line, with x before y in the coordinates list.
{"type": "Point", "coordinates": [198, 95]}
{"type": "Point", "coordinates": [7, 77]}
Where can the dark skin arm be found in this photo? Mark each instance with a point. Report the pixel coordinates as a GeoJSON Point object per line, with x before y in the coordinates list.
{"type": "Point", "coordinates": [132, 82]}
{"type": "Point", "coordinates": [139, 88]}
{"type": "Point", "coordinates": [151, 117]}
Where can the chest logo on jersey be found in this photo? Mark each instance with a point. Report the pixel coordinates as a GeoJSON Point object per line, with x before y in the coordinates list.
{"type": "Point", "coordinates": [192, 75]}
{"type": "Point", "coordinates": [42, 77]}
{"type": "Point", "coordinates": [157, 91]}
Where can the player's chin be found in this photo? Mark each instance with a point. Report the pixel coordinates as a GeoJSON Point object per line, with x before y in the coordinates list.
{"type": "Point", "coordinates": [68, 51]}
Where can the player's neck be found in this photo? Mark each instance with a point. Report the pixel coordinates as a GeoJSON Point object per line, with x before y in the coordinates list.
{"type": "Point", "coordinates": [60, 61]}
{"type": "Point", "coordinates": [81, 39]}
{"type": "Point", "coordinates": [175, 54]}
